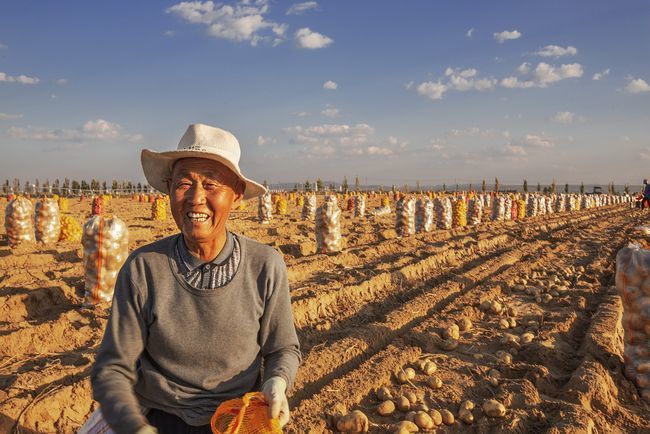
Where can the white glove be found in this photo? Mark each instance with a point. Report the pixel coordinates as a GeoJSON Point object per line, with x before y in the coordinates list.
{"type": "Point", "coordinates": [147, 429]}
{"type": "Point", "coordinates": [274, 390]}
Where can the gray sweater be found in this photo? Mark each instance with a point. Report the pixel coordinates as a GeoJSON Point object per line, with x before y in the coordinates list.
{"type": "Point", "coordinates": [184, 351]}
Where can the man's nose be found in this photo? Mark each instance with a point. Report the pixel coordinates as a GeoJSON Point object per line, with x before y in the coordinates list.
{"type": "Point", "coordinates": [196, 194]}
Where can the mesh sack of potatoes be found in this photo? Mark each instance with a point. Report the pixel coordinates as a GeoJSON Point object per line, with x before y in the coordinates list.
{"type": "Point", "coordinates": [300, 201]}
{"type": "Point", "coordinates": [63, 204]}
{"type": "Point", "coordinates": [531, 206]}
{"type": "Point", "coordinates": [405, 216]}
{"type": "Point", "coordinates": [47, 221]}
{"type": "Point", "coordinates": [18, 221]}
{"type": "Point", "coordinates": [475, 211]}
{"type": "Point", "coordinates": [385, 201]}
{"type": "Point", "coordinates": [498, 208]}
{"type": "Point", "coordinates": [549, 205]}
{"type": "Point", "coordinates": [633, 285]}
{"type": "Point", "coordinates": [360, 205]}
{"type": "Point", "coordinates": [507, 208]}
{"type": "Point", "coordinates": [459, 213]}
{"type": "Point", "coordinates": [560, 203]}
{"type": "Point", "coordinates": [159, 209]}
{"type": "Point", "coordinates": [328, 226]}
{"type": "Point", "coordinates": [265, 208]}
{"type": "Point", "coordinates": [541, 205]}
{"type": "Point", "coordinates": [105, 248]}
{"type": "Point", "coordinates": [381, 211]}
{"type": "Point", "coordinates": [424, 215]}
{"type": "Point", "coordinates": [70, 229]}
{"type": "Point", "coordinates": [444, 212]}
{"type": "Point", "coordinates": [281, 205]}
{"type": "Point", "coordinates": [98, 205]}
{"type": "Point", "coordinates": [309, 207]}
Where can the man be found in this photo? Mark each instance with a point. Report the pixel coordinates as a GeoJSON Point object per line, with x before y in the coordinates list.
{"type": "Point", "coordinates": [199, 317]}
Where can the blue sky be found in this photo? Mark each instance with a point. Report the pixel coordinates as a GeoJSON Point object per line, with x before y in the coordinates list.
{"type": "Point", "coordinates": [392, 92]}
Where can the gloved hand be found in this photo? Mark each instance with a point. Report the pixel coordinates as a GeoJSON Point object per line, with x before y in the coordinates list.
{"type": "Point", "coordinates": [274, 390]}
{"type": "Point", "coordinates": [147, 429]}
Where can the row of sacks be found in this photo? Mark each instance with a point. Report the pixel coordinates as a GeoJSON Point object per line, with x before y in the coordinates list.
{"type": "Point", "coordinates": [105, 241]}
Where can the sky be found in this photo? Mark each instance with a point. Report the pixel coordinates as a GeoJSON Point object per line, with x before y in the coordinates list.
{"type": "Point", "coordinates": [451, 91]}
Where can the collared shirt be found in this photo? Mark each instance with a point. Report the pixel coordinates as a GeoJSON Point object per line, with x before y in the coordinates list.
{"type": "Point", "coordinates": [209, 275]}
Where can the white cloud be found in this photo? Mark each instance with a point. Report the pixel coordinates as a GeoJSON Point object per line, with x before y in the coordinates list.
{"type": "Point", "coordinates": [3, 46]}
{"type": "Point", "coordinates": [543, 75]}
{"type": "Point", "coordinates": [470, 32]}
{"type": "Point", "coordinates": [438, 144]}
{"type": "Point", "coordinates": [319, 150]}
{"type": "Point", "coordinates": [376, 150]}
{"type": "Point", "coordinates": [261, 140]}
{"type": "Point", "coordinates": [464, 80]}
{"type": "Point", "coordinates": [556, 51]}
{"type": "Point", "coordinates": [637, 85]}
{"type": "Point", "coordinates": [599, 75]}
{"type": "Point", "coordinates": [301, 114]}
{"type": "Point", "coordinates": [330, 85]}
{"type": "Point", "coordinates": [22, 79]}
{"type": "Point", "coordinates": [170, 33]}
{"type": "Point", "coordinates": [241, 22]}
{"type": "Point", "coordinates": [62, 81]}
{"type": "Point", "coordinates": [8, 116]}
{"type": "Point", "coordinates": [93, 130]}
{"type": "Point", "coordinates": [409, 85]}
{"type": "Point", "coordinates": [563, 118]}
{"type": "Point", "coordinates": [537, 141]}
{"type": "Point", "coordinates": [330, 111]}
{"type": "Point", "coordinates": [432, 90]}
{"type": "Point", "coordinates": [513, 150]}
{"type": "Point", "coordinates": [306, 38]}
{"type": "Point", "coordinates": [506, 35]}
{"type": "Point", "coordinates": [300, 8]}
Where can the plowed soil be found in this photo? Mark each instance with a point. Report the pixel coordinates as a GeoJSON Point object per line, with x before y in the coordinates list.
{"type": "Point", "coordinates": [364, 314]}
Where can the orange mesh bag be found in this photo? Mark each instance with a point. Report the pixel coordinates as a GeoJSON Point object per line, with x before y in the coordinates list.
{"type": "Point", "coordinates": [247, 415]}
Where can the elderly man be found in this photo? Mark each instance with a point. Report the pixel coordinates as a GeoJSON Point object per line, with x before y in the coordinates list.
{"type": "Point", "coordinates": [199, 317]}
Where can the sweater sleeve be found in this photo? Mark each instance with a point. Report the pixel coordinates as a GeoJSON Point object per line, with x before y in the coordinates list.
{"type": "Point", "coordinates": [114, 372]}
{"type": "Point", "coordinates": [278, 338]}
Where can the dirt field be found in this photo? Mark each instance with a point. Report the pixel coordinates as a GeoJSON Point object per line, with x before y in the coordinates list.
{"type": "Point", "coordinates": [379, 306]}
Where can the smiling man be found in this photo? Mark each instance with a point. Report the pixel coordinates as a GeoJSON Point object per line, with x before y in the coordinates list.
{"type": "Point", "coordinates": [199, 317]}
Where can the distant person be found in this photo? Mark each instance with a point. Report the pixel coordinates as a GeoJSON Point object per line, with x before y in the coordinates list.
{"type": "Point", "coordinates": [202, 316]}
{"type": "Point", "coordinates": [646, 194]}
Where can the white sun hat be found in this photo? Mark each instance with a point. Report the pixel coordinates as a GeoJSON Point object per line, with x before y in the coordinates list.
{"type": "Point", "coordinates": [199, 141]}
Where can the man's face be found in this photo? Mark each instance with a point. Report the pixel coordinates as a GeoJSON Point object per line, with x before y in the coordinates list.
{"type": "Point", "coordinates": [201, 193]}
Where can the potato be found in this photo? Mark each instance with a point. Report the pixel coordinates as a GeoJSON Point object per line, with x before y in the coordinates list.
{"type": "Point", "coordinates": [449, 344]}
{"type": "Point", "coordinates": [420, 407]}
{"type": "Point", "coordinates": [512, 322]}
{"type": "Point", "coordinates": [403, 403]}
{"type": "Point", "coordinates": [402, 377]}
{"type": "Point", "coordinates": [465, 324]}
{"type": "Point", "coordinates": [434, 382]}
{"type": "Point", "coordinates": [447, 417]}
{"type": "Point", "coordinates": [429, 368]}
{"type": "Point", "coordinates": [435, 416]}
{"type": "Point", "coordinates": [527, 338]}
{"type": "Point", "coordinates": [466, 416]}
{"type": "Point", "coordinates": [467, 405]}
{"type": "Point", "coordinates": [412, 397]}
{"type": "Point", "coordinates": [406, 426]}
{"type": "Point", "coordinates": [410, 416]}
{"type": "Point", "coordinates": [496, 307]}
{"type": "Point", "coordinates": [421, 364]}
{"type": "Point", "coordinates": [410, 373]}
{"type": "Point", "coordinates": [546, 298]}
{"type": "Point", "coordinates": [386, 408]}
{"type": "Point", "coordinates": [355, 421]}
{"type": "Point", "coordinates": [504, 324]}
{"type": "Point", "coordinates": [383, 393]}
{"type": "Point", "coordinates": [423, 420]}
{"type": "Point", "coordinates": [503, 357]}
{"type": "Point", "coordinates": [493, 408]}
{"type": "Point", "coordinates": [452, 332]}
{"type": "Point", "coordinates": [485, 305]}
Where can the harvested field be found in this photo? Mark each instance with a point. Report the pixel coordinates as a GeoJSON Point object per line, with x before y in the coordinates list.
{"type": "Point", "coordinates": [546, 335]}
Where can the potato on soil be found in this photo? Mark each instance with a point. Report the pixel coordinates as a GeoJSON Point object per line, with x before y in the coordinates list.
{"type": "Point", "coordinates": [465, 324]}
{"type": "Point", "coordinates": [384, 394]}
{"type": "Point", "coordinates": [467, 405]}
{"type": "Point", "coordinates": [527, 338]}
{"type": "Point", "coordinates": [496, 307]}
{"type": "Point", "coordinates": [434, 382]}
{"type": "Point", "coordinates": [429, 367]}
{"type": "Point", "coordinates": [504, 357]}
{"type": "Point", "coordinates": [504, 324]}
{"type": "Point", "coordinates": [410, 373]}
{"type": "Point", "coordinates": [448, 344]}
{"type": "Point", "coordinates": [355, 421]}
{"type": "Point", "coordinates": [410, 416]}
{"type": "Point", "coordinates": [411, 396]}
{"type": "Point", "coordinates": [403, 403]}
{"type": "Point", "coordinates": [420, 407]}
{"type": "Point", "coordinates": [401, 377]}
{"type": "Point", "coordinates": [406, 427]}
{"type": "Point", "coordinates": [447, 417]}
{"type": "Point", "coordinates": [423, 420]}
{"type": "Point", "coordinates": [466, 416]}
{"type": "Point", "coordinates": [493, 408]}
{"type": "Point", "coordinates": [436, 416]}
{"type": "Point", "coordinates": [386, 408]}
{"type": "Point", "coordinates": [452, 332]}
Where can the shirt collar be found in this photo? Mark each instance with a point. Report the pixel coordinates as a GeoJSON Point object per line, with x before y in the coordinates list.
{"type": "Point", "coordinates": [192, 262]}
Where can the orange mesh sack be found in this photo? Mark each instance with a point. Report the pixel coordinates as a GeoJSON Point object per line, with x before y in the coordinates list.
{"type": "Point", "coordinates": [247, 415]}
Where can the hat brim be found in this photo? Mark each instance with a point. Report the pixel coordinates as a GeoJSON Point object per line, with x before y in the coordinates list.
{"type": "Point", "coordinates": [157, 167]}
